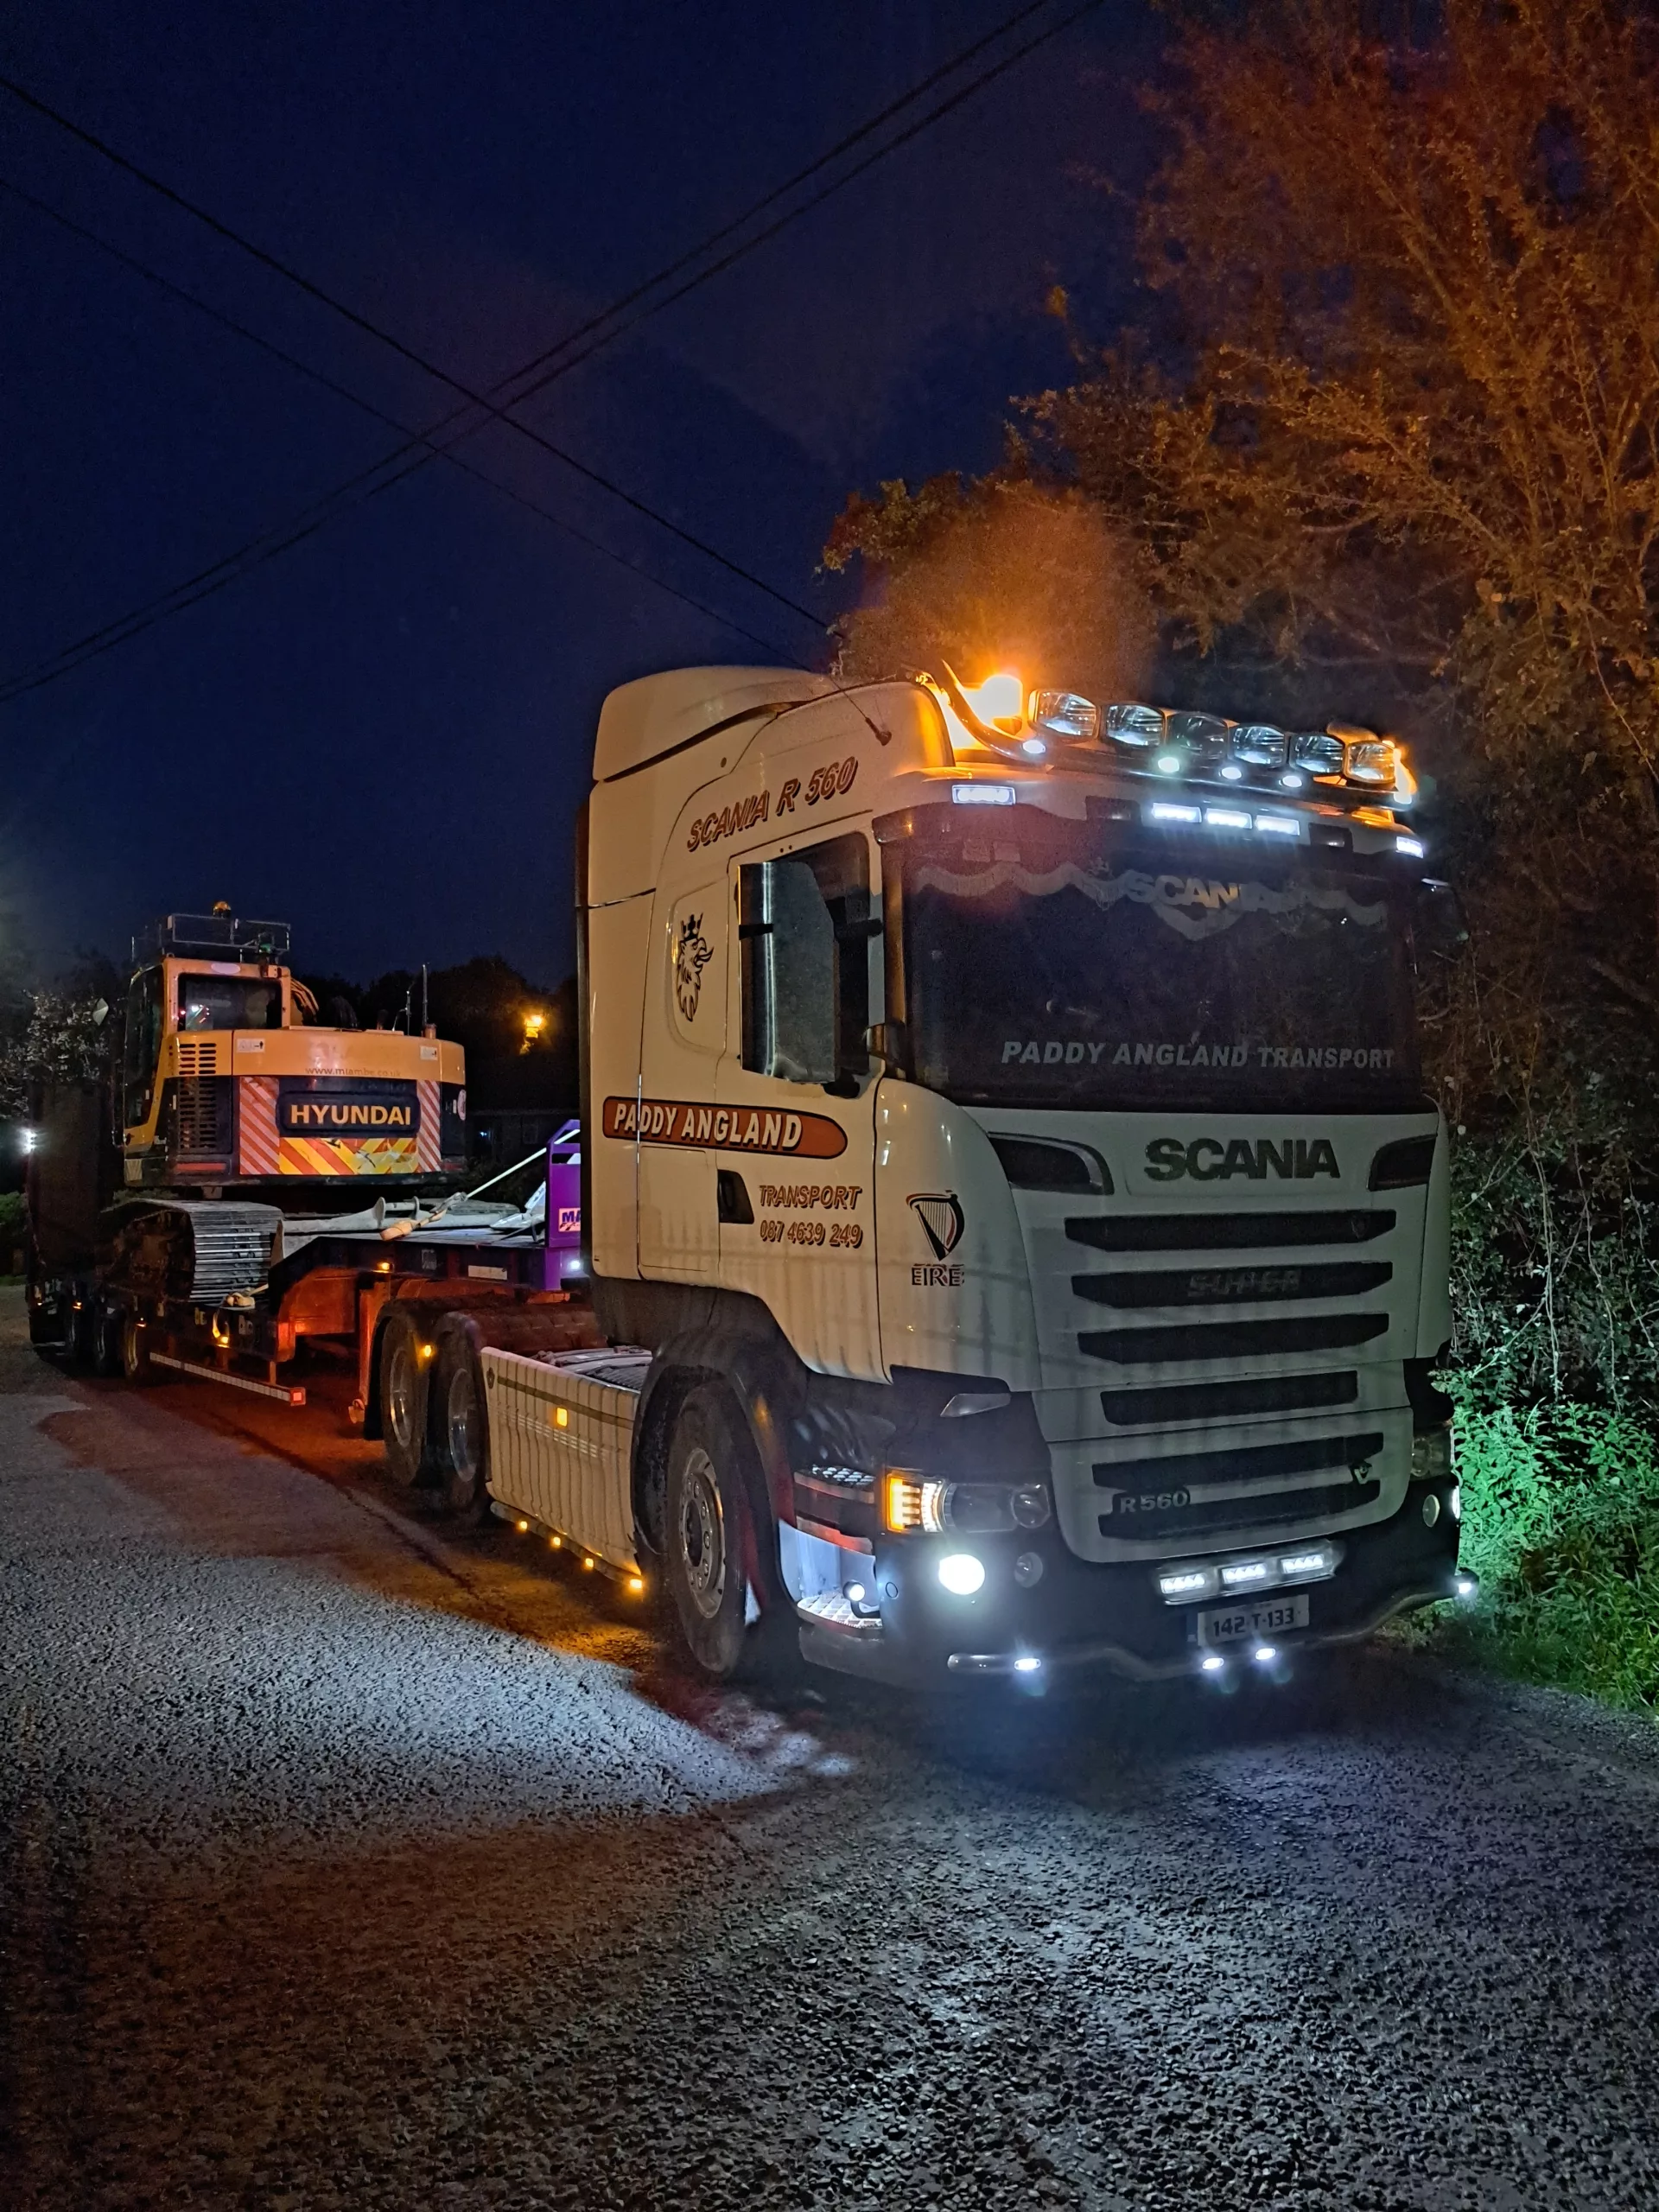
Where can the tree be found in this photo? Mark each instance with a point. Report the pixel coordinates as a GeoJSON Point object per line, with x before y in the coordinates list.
{"type": "Point", "coordinates": [1001, 573]}
{"type": "Point", "coordinates": [1413, 455]}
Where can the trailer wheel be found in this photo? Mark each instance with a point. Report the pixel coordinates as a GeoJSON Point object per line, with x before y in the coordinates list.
{"type": "Point", "coordinates": [79, 1340]}
{"type": "Point", "coordinates": [460, 1439]}
{"type": "Point", "coordinates": [707, 1536]}
{"type": "Point", "coordinates": [404, 1400]}
{"type": "Point", "coordinates": [107, 1355]}
{"type": "Point", "coordinates": [135, 1351]}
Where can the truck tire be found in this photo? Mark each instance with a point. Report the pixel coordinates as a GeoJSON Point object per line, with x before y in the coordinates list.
{"type": "Point", "coordinates": [708, 1541]}
{"type": "Point", "coordinates": [106, 1339]}
{"type": "Point", "coordinates": [80, 1340]}
{"type": "Point", "coordinates": [134, 1350]}
{"type": "Point", "coordinates": [404, 1399]}
{"type": "Point", "coordinates": [460, 1431]}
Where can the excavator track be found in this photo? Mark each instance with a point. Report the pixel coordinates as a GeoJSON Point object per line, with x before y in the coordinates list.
{"type": "Point", "coordinates": [199, 1248]}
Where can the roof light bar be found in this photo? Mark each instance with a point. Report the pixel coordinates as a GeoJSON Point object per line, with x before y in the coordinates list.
{"type": "Point", "coordinates": [999, 715]}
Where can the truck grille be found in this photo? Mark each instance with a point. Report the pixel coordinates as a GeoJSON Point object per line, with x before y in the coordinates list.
{"type": "Point", "coordinates": [1266, 1394]}
{"type": "Point", "coordinates": [1214, 1516]}
{"type": "Point", "coordinates": [1228, 1232]}
{"type": "Point", "coordinates": [1232, 1339]}
{"type": "Point", "coordinates": [1262, 1285]}
{"type": "Point", "coordinates": [1243, 1464]}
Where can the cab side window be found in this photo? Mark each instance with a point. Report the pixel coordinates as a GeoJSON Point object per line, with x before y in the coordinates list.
{"type": "Point", "coordinates": [804, 927]}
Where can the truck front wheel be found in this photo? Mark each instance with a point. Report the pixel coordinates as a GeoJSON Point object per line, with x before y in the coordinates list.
{"type": "Point", "coordinates": [706, 1534]}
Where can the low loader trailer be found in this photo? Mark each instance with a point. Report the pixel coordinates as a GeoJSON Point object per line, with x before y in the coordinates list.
{"type": "Point", "coordinates": [1005, 1231]}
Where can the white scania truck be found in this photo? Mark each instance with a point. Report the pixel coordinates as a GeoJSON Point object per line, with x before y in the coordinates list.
{"type": "Point", "coordinates": [1016, 1231]}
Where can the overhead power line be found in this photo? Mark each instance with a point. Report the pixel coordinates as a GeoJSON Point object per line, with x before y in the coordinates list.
{"type": "Point", "coordinates": [367, 406]}
{"type": "Point", "coordinates": [422, 446]}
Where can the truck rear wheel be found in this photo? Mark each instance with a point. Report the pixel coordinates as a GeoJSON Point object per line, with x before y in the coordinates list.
{"type": "Point", "coordinates": [106, 1339]}
{"type": "Point", "coordinates": [404, 1400]}
{"type": "Point", "coordinates": [460, 1440]}
{"type": "Point", "coordinates": [135, 1351]}
{"type": "Point", "coordinates": [706, 1533]}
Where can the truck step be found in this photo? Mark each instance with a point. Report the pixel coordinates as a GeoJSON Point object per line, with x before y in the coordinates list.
{"type": "Point", "coordinates": [285, 1394]}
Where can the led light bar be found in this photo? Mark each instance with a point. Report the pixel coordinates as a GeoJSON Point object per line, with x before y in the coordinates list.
{"type": "Point", "coordinates": [1190, 1579]}
{"type": "Point", "coordinates": [981, 794]}
{"type": "Point", "coordinates": [1223, 818]}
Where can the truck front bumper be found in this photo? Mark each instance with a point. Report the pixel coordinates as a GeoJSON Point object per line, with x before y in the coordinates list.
{"type": "Point", "coordinates": [1080, 1615]}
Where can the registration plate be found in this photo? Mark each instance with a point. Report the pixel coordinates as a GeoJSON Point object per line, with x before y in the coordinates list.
{"type": "Point", "coordinates": [1261, 1617]}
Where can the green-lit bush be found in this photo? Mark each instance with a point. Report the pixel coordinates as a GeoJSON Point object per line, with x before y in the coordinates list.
{"type": "Point", "coordinates": [1562, 1523]}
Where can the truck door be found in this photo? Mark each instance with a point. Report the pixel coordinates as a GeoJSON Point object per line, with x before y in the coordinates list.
{"type": "Point", "coordinates": [796, 1210]}
{"type": "Point", "coordinates": [683, 1036]}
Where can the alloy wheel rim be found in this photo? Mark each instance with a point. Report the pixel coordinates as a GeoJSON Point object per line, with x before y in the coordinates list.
{"type": "Point", "coordinates": [702, 1534]}
{"type": "Point", "coordinates": [463, 1424]}
{"type": "Point", "coordinates": [399, 1394]}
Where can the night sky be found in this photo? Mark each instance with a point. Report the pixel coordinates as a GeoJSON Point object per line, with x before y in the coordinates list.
{"type": "Point", "coordinates": [383, 734]}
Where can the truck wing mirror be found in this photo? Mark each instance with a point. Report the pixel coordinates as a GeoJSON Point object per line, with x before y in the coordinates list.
{"type": "Point", "coordinates": [1438, 922]}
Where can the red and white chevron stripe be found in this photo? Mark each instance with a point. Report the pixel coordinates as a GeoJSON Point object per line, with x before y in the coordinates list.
{"type": "Point", "coordinates": [429, 1135]}
{"type": "Point", "coordinates": [257, 1141]}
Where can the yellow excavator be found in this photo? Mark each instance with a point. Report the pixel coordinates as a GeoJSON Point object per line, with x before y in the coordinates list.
{"type": "Point", "coordinates": [231, 1081]}
{"type": "Point", "coordinates": [240, 1121]}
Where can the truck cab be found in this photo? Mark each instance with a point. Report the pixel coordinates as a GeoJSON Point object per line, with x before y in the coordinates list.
{"type": "Point", "coordinates": [1007, 1145]}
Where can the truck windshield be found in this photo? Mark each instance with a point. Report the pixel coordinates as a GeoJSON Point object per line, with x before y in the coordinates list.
{"type": "Point", "coordinates": [1135, 979]}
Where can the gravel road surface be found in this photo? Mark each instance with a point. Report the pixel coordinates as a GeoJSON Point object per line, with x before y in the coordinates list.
{"type": "Point", "coordinates": [346, 1859]}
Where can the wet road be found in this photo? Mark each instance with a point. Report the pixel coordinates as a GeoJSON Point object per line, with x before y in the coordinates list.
{"type": "Point", "coordinates": [347, 1860]}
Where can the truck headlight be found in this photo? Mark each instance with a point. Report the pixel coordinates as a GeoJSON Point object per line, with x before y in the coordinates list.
{"type": "Point", "coordinates": [915, 1501]}
{"type": "Point", "coordinates": [1431, 1456]}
